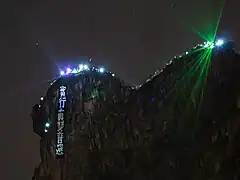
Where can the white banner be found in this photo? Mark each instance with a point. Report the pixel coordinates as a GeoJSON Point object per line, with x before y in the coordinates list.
{"type": "Point", "coordinates": [60, 121]}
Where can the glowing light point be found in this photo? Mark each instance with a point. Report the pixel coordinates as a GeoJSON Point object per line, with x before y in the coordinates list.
{"type": "Point", "coordinates": [41, 98]}
{"type": "Point", "coordinates": [45, 130]}
{"type": "Point", "coordinates": [113, 75]}
{"type": "Point", "coordinates": [80, 67]}
{"type": "Point", "coordinates": [219, 42]}
{"type": "Point", "coordinates": [85, 67]}
{"type": "Point", "coordinates": [74, 71]}
{"type": "Point", "coordinates": [209, 45]}
{"type": "Point", "coordinates": [47, 125]}
{"type": "Point", "coordinates": [68, 71]}
{"type": "Point", "coordinates": [186, 52]}
{"type": "Point", "coordinates": [206, 44]}
{"type": "Point", "coordinates": [62, 73]}
{"type": "Point", "coordinates": [101, 70]}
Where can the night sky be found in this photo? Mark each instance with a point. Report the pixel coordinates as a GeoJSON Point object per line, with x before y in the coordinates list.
{"type": "Point", "coordinates": [130, 37]}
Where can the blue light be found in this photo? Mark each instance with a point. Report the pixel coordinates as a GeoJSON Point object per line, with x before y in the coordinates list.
{"type": "Point", "coordinates": [62, 73]}
{"type": "Point", "coordinates": [219, 42]}
{"type": "Point", "coordinates": [101, 70]}
{"type": "Point", "coordinates": [69, 71]}
{"type": "Point", "coordinates": [153, 98]}
{"type": "Point", "coordinates": [82, 68]}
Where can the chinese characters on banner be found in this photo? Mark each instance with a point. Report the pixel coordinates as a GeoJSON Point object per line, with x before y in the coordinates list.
{"type": "Point", "coordinates": [60, 122]}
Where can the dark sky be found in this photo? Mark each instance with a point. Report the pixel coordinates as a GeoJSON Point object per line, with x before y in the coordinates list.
{"type": "Point", "coordinates": [131, 37]}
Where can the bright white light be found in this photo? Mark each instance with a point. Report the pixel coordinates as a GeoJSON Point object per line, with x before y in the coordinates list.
{"type": "Point", "coordinates": [85, 67]}
{"type": "Point", "coordinates": [41, 98]}
{"type": "Point", "coordinates": [219, 42]}
{"type": "Point", "coordinates": [62, 73]}
{"type": "Point", "coordinates": [45, 130]}
{"type": "Point", "coordinates": [69, 70]}
{"type": "Point", "coordinates": [74, 71]}
{"type": "Point", "coordinates": [207, 44]}
{"type": "Point", "coordinates": [80, 67]}
{"type": "Point", "coordinates": [113, 74]}
{"type": "Point", "coordinates": [47, 125]}
{"type": "Point", "coordinates": [101, 70]}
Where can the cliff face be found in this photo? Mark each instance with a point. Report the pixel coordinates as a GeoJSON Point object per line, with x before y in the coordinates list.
{"type": "Point", "coordinates": [182, 123]}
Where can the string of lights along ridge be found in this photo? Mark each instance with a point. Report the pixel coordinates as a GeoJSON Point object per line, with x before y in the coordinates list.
{"type": "Point", "coordinates": [85, 67]}
{"type": "Point", "coordinates": [82, 68]}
